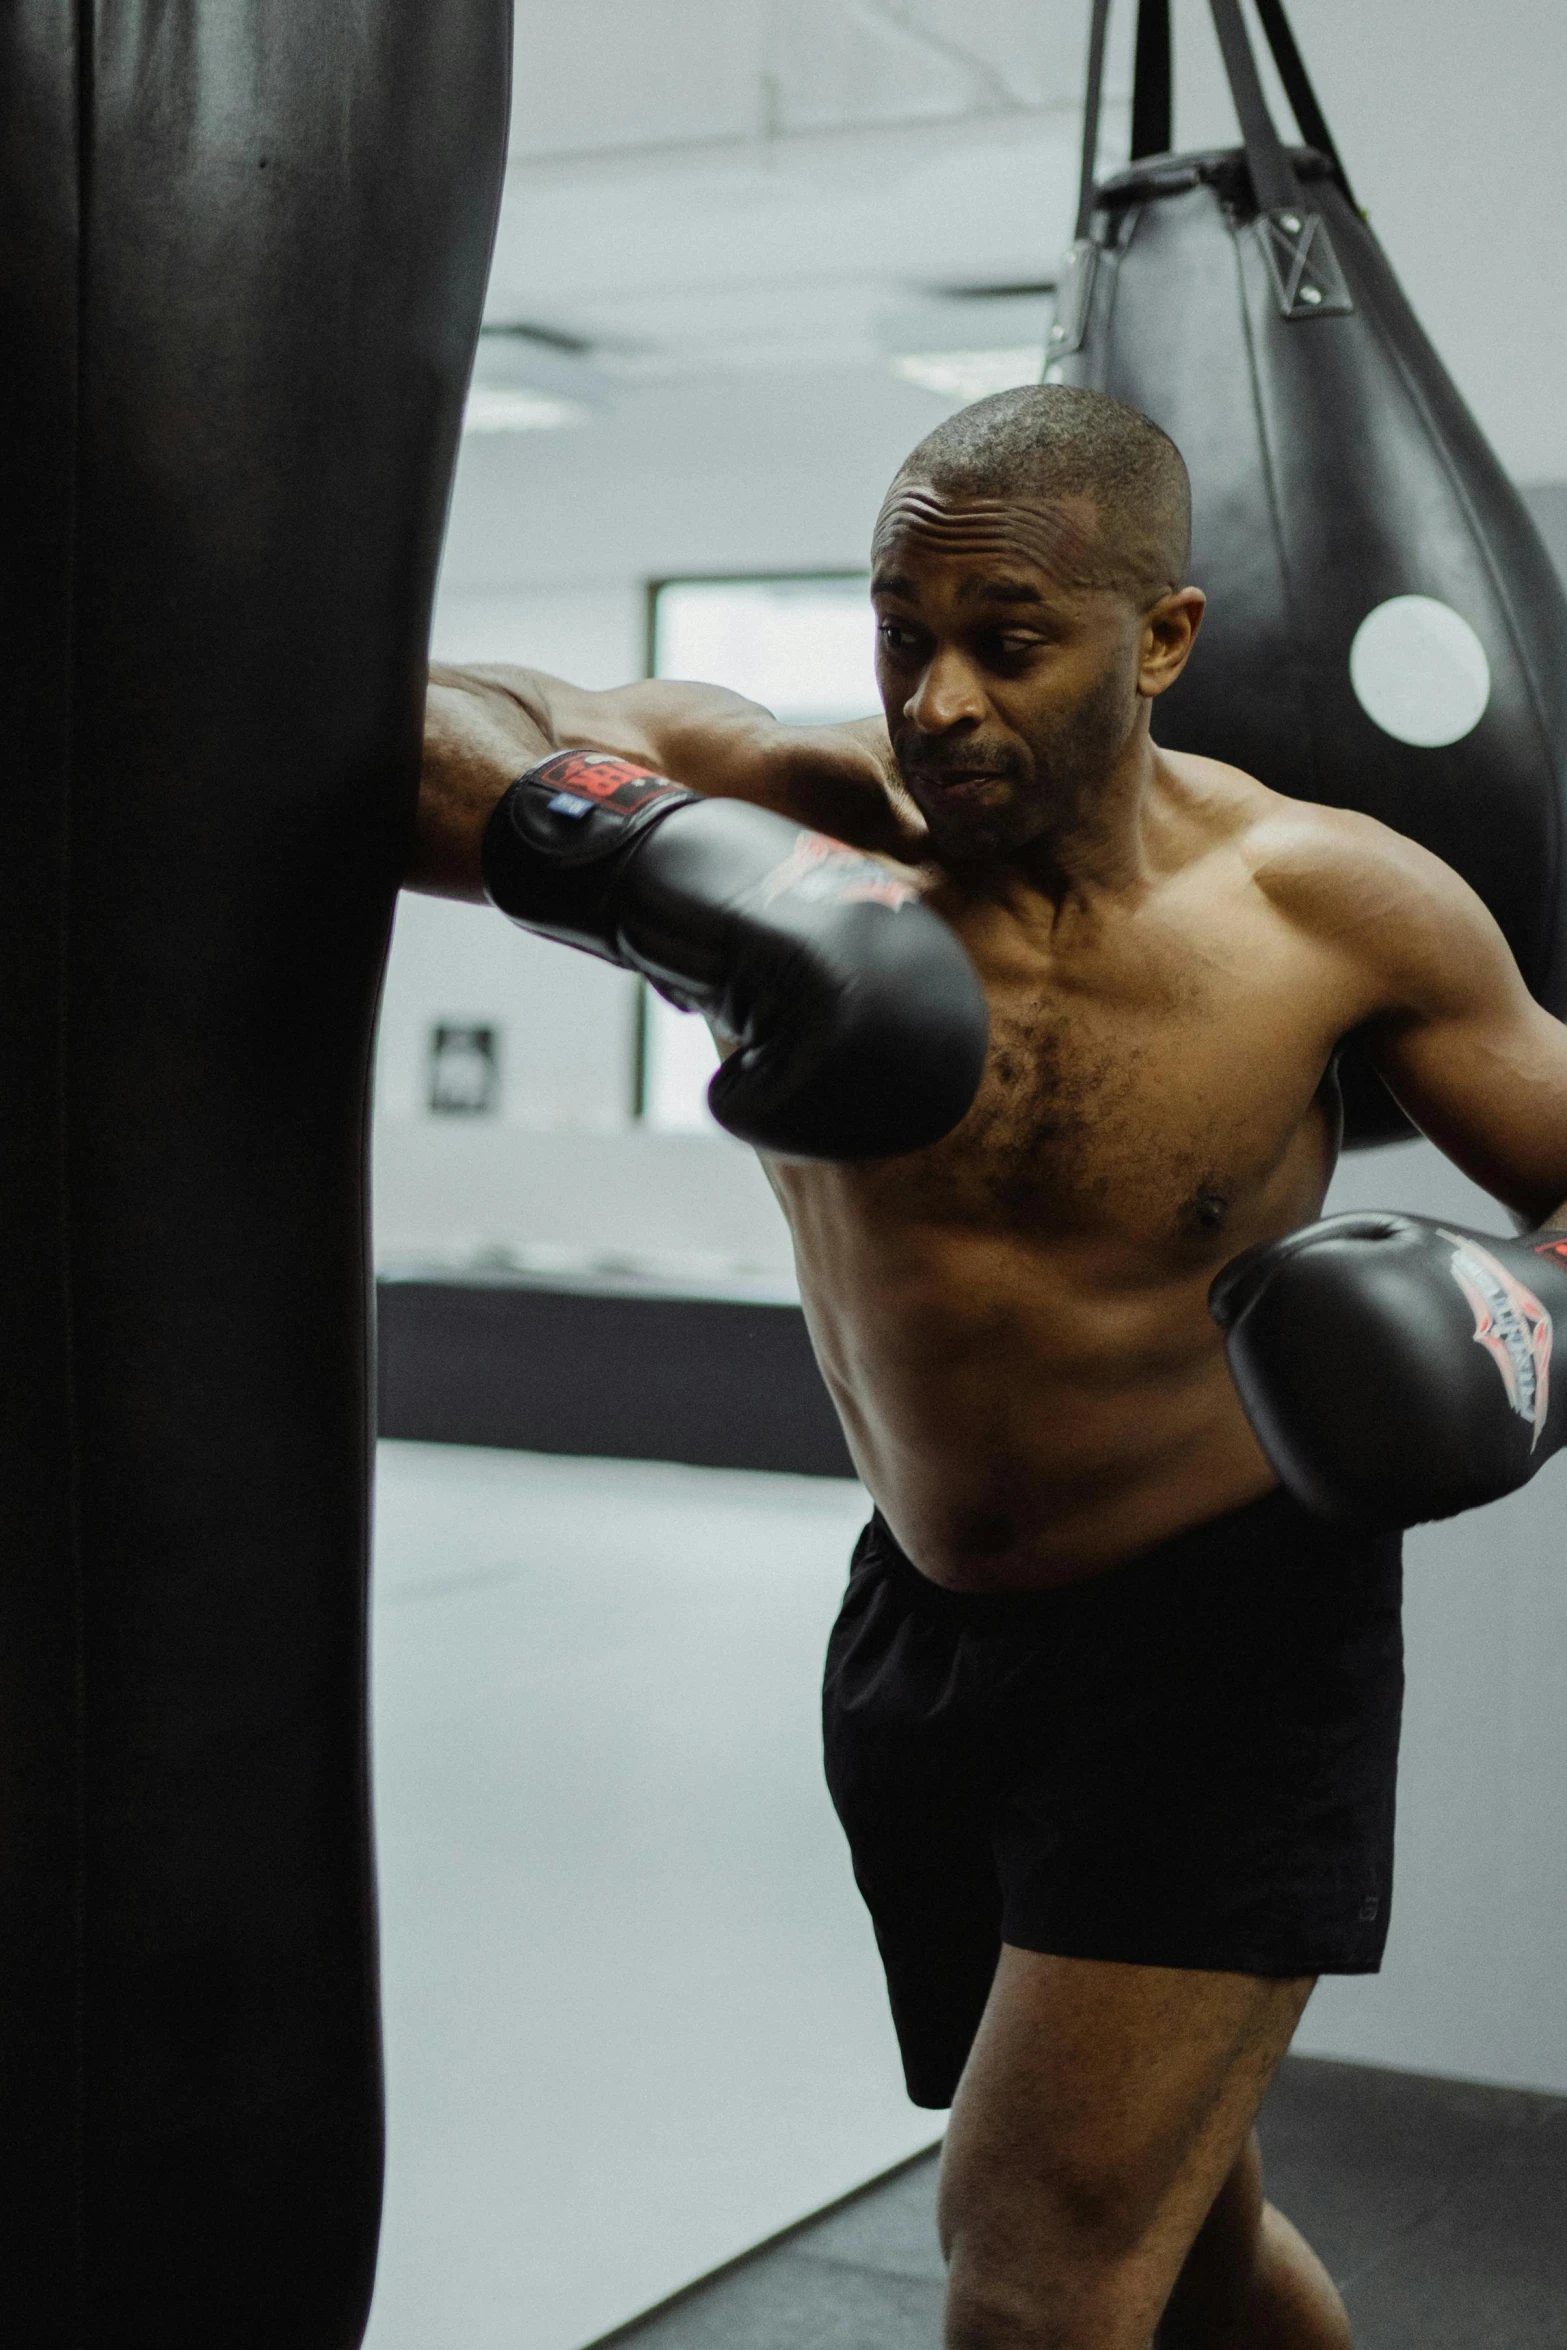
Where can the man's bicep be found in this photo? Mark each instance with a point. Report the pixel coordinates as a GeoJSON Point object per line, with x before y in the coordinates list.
{"type": "Point", "coordinates": [1476, 1062]}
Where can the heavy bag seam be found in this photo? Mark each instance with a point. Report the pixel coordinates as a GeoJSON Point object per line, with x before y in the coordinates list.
{"type": "Point", "coordinates": [85, 29]}
{"type": "Point", "coordinates": [369, 1351]}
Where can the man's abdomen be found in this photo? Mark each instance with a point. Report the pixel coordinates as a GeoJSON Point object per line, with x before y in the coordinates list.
{"type": "Point", "coordinates": [1018, 1430]}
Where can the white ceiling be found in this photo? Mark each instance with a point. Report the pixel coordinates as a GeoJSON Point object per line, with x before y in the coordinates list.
{"type": "Point", "coordinates": [738, 70]}
{"type": "Point", "coordinates": [700, 184]}
{"type": "Point", "coordinates": [716, 187]}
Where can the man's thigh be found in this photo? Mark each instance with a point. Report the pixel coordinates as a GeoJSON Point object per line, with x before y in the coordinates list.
{"type": "Point", "coordinates": [1101, 2110]}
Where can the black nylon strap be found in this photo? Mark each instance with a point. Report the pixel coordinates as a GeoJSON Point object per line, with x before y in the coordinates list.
{"type": "Point", "coordinates": [1297, 87]}
{"type": "Point", "coordinates": [1152, 86]}
{"type": "Point", "coordinates": [1098, 25]}
{"type": "Point", "coordinates": [1272, 174]}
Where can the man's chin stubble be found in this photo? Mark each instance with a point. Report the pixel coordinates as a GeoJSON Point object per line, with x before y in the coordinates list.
{"type": "Point", "coordinates": [975, 840]}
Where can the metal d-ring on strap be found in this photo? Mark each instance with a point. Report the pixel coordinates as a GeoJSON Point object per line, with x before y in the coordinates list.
{"type": "Point", "coordinates": [1304, 269]}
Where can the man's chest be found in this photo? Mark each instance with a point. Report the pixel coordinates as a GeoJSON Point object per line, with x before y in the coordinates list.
{"type": "Point", "coordinates": [1153, 1087]}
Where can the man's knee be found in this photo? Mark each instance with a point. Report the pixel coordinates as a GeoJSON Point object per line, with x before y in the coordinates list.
{"type": "Point", "coordinates": [1063, 2305]}
{"type": "Point", "coordinates": [1064, 2266]}
{"type": "Point", "coordinates": [1083, 2257]}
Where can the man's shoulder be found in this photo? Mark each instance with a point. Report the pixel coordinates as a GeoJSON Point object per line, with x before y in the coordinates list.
{"type": "Point", "coordinates": [1302, 854]}
{"type": "Point", "coordinates": [1377, 901]}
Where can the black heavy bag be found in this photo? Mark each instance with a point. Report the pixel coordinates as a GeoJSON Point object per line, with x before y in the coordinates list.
{"type": "Point", "coordinates": [242, 251]}
{"type": "Point", "coordinates": [1385, 630]}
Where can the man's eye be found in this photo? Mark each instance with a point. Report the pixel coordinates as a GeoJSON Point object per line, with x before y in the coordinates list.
{"type": "Point", "coordinates": [896, 639]}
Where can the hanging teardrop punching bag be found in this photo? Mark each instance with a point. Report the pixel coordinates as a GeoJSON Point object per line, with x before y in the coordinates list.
{"type": "Point", "coordinates": [1385, 630]}
{"type": "Point", "coordinates": [242, 261]}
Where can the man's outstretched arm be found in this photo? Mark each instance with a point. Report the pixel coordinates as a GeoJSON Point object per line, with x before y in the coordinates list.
{"type": "Point", "coordinates": [859, 1025]}
{"type": "Point", "coordinates": [484, 725]}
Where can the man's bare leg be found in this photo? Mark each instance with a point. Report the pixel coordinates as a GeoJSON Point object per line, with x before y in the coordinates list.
{"type": "Point", "coordinates": [1251, 2281]}
{"type": "Point", "coordinates": [1101, 2132]}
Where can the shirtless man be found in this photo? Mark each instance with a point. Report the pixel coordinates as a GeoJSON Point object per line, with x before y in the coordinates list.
{"type": "Point", "coordinates": [1111, 1721]}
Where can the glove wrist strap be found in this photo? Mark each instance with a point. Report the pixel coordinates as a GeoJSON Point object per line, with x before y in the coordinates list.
{"type": "Point", "coordinates": [559, 837]}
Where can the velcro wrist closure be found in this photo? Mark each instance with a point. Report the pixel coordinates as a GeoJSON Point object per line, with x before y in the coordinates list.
{"type": "Point", "coordinates": [556, 841]}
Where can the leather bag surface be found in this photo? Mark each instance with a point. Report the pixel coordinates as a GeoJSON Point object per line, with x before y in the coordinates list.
{"type": "Point", "coordinates": [243, 246]}
{"type": "Point", "coordinates": [1240, 299]}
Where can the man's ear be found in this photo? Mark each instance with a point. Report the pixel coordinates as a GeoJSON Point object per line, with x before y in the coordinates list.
{"type": "Point", "coordinates": [1169, 633]}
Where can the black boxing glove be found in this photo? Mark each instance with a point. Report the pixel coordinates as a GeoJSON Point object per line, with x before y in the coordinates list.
{"type": "Point", "coordinates": [1394, 1369]}
{"type": "Point", "coordinates": [861, 1024]}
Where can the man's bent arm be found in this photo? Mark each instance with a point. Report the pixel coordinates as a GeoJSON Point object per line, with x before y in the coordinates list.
{"type": "Point", "coordinates": [484, 725]}
{"type": "Point", "coordinates": [1478, 1065]}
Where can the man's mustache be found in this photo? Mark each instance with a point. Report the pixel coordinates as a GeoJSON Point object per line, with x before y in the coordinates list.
{"type": "Point", "coordinates": [925, 766]}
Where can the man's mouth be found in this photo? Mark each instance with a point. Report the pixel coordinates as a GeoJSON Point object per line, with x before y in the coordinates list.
{"type": "Point", "coordinates": [961, 783]}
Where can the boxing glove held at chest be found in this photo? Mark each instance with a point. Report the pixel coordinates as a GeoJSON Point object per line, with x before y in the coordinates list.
{"type": "Point", "coordinates": [860, 1022]}
{"type": "Point", "coordinates": [1394, 1369]}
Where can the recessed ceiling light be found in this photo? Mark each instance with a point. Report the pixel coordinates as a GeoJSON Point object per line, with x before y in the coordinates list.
{"type": "Point", "coordinates": [971, 375]}
{"type": "Point", "coordinates": [510, 408]}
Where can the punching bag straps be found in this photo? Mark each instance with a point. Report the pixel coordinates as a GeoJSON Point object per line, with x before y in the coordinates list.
{"type": "Point", "coordinates": [1307, 279]}
{"type": "Point", "coordinates": [1093, 96]}
{"type": "Point", "coordinates": [1075, 285]}
{"type": "Point", "coordinates": [1152, 84]}
{"type": "Point", "coordinates": [1272, 173]}
{"type": "Point", "coordinates": [1153, 99]}
{"type": "Point", "coordinates": [1297, 88]}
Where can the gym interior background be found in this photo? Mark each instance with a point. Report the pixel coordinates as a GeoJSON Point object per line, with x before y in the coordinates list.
{"type": "Point", "coordinates": [750, 250]}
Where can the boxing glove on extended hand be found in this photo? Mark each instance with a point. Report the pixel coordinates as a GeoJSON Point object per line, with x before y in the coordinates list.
{"type": "Point", "coordinates": [1394, 1369]}
{"type": "Point", "coordinates": [860, 1021]}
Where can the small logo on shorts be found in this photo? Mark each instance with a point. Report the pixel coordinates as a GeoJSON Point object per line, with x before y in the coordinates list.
{"type": "Point", "coordinates": [1512, 1326]}
{"type": "Point", "coordinates": [1368, 1909]}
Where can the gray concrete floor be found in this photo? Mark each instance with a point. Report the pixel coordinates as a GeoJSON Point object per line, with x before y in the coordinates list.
{"type": "Point", "coordinates": [634, 2016]}
{"type": "Point", "coordinates": [1439, 2206]}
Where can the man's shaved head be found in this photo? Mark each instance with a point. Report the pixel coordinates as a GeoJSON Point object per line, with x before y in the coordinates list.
{"type": "Point", "coordinates": [1029, 579]}
{"type": "Point", "coordinates": [1053, 445]}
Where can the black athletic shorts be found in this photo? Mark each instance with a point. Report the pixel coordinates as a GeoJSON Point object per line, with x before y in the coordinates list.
{"type": "Point", "coordinates": [1188, 1761]}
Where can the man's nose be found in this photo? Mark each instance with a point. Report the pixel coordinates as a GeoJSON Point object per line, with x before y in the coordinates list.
{"type": "Point", "coordinates": [948, 695]}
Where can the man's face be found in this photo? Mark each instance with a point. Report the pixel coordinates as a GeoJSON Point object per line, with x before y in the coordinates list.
{"type": "Point", "coordinates": [1009, 679]}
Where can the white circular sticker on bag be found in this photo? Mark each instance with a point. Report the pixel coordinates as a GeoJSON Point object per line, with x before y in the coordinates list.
{"type": "Point", "coordinates": [1419, 671]}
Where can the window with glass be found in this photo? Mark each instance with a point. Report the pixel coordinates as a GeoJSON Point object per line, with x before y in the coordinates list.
{"type": "Point", "coordinates": [802, 644]}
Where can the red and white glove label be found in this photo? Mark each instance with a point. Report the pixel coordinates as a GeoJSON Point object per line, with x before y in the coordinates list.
{"type": "Point", "coordinates": [1511, 1324]}
{"type": "Point", "coordinates": [825, 872]}
{"type": "Point", "coordinates": [599, 778]}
